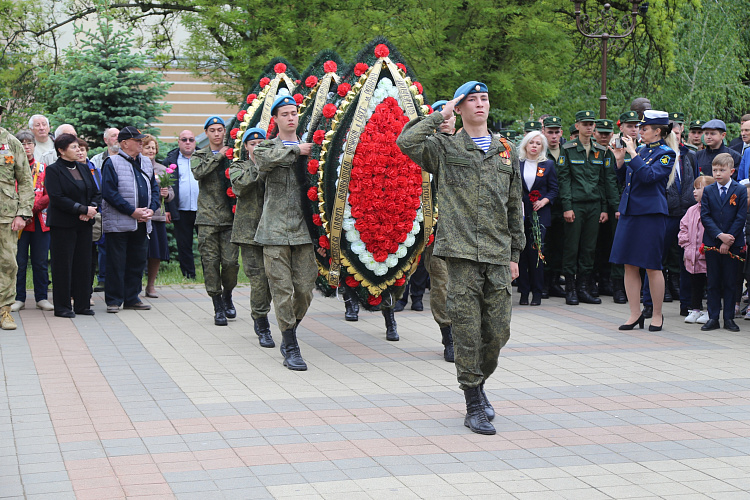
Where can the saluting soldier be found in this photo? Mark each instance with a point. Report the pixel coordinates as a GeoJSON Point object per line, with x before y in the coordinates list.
{"type": "Point", "coordinates": [249, 188]}
{"type": "Point", "coordinates": [219, 256]}
{"type": "Point", "coordinates": [552, 130]}
{"type": "Point", "coordinates": [16, 202]}
{"type": "Point", "coordinates": [587, 190]}
{"type": "Point", "coordinates": [481, 235]}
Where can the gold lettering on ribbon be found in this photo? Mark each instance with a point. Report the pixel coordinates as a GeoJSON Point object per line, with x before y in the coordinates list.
{"type": "Point", "coordinates": [265, 117]}
{"type": "Point", "coordinates": [355, 130]}
{"type": "Point", "coordinates": [320, 100]}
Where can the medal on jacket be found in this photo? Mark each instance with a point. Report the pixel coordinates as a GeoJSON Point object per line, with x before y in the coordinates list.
{"type": "Point", "coordinates": [505, 155]}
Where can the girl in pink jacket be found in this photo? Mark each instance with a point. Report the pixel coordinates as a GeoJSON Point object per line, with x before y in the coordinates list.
{"type": "Point", "coordinates": [691, 240]}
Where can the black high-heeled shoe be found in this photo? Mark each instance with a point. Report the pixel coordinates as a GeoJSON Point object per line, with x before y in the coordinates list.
{"type": "Point", "coordinates": [652, 328]}
{"type": "Point", "coordinates": [629, 326]}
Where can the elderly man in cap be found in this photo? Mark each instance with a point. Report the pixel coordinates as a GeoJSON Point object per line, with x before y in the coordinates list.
{"type": "Point", "coordinates": [16, 202]}
{"type": "Point", "coordinates": [714, 132]}
{"type": "Point", "coordinates": [130, 196]}
{"type": "Point", "coordinates": [481, 235]}
{"type": "Point", "coordinates": [215, 216]}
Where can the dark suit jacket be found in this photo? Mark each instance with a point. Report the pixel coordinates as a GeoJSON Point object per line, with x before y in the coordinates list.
{"type": "Point", "coordinates": [737, 144]}
{"type": "Point", "coordinates": [65, 200]}
{"type": "Point", "coordinates": [728, 217]}
{"type": "Point", "coordinates": [546, 184]}
{"type": "Point", "coordinates": [646, 179]}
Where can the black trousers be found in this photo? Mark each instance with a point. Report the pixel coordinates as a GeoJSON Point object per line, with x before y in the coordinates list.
{"type": "Point", "coordinates": [721, 271]}
{"type": "Point", "coordinates": [183, 234]}
{"type": "Point", "coordinates": [697, 285]}
{"type": "Point", "coordinates": [417, 283]}
{"type": "Point", "coordinates": [530, 267]}
{"type": "Point", "coordinates": [126, 261]}
{"type": "Point", "coordinates": [70, 255]}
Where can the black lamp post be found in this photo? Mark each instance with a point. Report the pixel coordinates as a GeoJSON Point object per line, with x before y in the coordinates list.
{"type": "Point", "coordinates": [608, 26]}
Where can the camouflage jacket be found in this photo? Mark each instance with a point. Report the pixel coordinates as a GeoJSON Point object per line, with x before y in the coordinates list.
{"type": "Point", "coordinates": [14, 172]}
{"type": "Point", "coordinates": [587, 178]}
{"type": "Point", "coordinates": [249, 188]}
{"type": "Point", "coordinates": [480, 193]}
{"type": "Point", "coordinates": [214, 205]}
{"type": "Point", "coordinates": [282, 221]}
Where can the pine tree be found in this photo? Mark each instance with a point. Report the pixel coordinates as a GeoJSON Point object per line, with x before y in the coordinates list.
{"type": "Point", "coordinates": [104, 83]}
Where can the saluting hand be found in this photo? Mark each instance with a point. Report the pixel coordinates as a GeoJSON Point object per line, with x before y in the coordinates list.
{"type": "Point", "coordinates": [447, 110]}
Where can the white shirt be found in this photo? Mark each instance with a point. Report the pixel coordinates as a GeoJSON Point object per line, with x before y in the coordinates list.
{"type": "Point", "coordinates": [188, 185]}
{"type": "Point", "coordinates": [42, 147]}
{"type": "Point", "coordinates": [529, 173]}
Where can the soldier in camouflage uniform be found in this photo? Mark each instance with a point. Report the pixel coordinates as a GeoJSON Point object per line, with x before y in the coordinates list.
{"type": "Point", "coordinates": [249, 190]}
{"type": "Point", "coordinates": [288, 253]}
{"type": "Point", "coordinates": [15, 208]}
{"type": "Point", "coordinates": [481, 235]}
{"type": "Point", "coordinates": [219, 256]}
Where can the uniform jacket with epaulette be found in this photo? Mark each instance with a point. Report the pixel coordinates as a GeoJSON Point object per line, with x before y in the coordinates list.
{"type": "Point", "coordinates": [214, 205]}
{"type": "Point", "coordinates": [583, 178]}
{"type": "Point", "coordinates": [14, 171]}
{"type": "Point", "coordinates": [249, 188]}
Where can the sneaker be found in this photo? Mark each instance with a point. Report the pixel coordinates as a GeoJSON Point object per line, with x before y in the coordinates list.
{"type": "Point", "coordinates": [747, 314]}
{"type": "Point", "coordinates": [113, 309]}
{"type": "Point", "coordinates": [45, 305]}
{"type": "Point", "coordinates": [17, 306]}
{"type": "Point", "coordinates": [693, 316]}
{"type": "Point", "coordinates": [138, 306]}
{"type": "Point", "coordinates": [703, 318]}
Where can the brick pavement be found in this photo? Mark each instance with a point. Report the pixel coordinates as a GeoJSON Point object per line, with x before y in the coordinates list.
{"type": "Point", "coordinates": [162, 404]}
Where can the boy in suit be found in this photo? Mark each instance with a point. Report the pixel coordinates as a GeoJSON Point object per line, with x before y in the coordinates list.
{"type": "Point", "coordinates": [723, 213]}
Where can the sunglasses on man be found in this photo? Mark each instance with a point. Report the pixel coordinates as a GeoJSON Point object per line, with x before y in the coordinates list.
{"type": "Point", "coordinates": [187, 139]}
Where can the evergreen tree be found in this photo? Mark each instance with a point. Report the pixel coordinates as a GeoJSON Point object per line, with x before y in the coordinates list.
{"type": "Point", "coordinates": [103, 83]}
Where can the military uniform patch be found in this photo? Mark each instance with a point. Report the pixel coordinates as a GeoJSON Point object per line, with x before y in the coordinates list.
{"type": "Point", "coordinates": [664, 160]}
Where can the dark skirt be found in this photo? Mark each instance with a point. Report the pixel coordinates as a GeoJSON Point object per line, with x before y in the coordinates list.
{"type": "Point", "coordinates": [639, 241]}
{"type": "Point", "coordinates": [158, 248]}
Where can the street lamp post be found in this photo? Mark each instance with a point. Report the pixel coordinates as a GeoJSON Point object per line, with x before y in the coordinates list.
{"type": "Point", "coordinates": [605, 28]}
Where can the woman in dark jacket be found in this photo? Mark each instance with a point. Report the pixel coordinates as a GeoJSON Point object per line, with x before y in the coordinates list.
{"type": "Point", "coordinates": [539, 181]}
{"type": "Point", "coordinates": [73, 199]}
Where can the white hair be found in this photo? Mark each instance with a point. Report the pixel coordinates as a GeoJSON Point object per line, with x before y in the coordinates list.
{"type": "Point", "coordinates": [522, 147]}
{"type": "Point", "coordinates": [104, 135]}
{"type": "Point", "coordinates": [34, 117]}
{"type": "Point", "coordinates": [59, 130]}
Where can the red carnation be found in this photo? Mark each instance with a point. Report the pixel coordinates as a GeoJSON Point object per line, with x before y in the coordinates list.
{"type": "Point", "coordinates": [360, 69]}
{"type": "Point", "coordinates": [323, 242]}
{"type": "Point", "coordinates": [317, 220]}
{"type": "Point", "coordinates": [271, 126]}
{"type": "Point", "coordinates": [234, 208]}
{"type": "Point", "coordinates": [702, 249]}
{"type": "Point", "coordinates": [233, 133]}
{"type": "Point", "coordinates": [241, 115]}
{"type": "Point", "coordinates": [251, 98]}
{"type": "Point", "coordinates": [298, 98]}
{"type": "Point", "coordinates": [534, 196]}
{"type": "Point", "coordinates": [344, 89]}
{"type": "Point", "coordinates": [312, 193]}
{"type": "Point", "coordinates": [401, 67]}
{"type": "Point", "coordinates": [312, 166]}
{"type": "Point", "coordinates": [330, 67]}
{"type": "Point", "coordinates": [400, 282]}
{"type": "Point", "coordinates": [311, 81]}
{"type": "Point", "coordinates": [372, 300]}
{"type": "Point", "coordinates": [280, 68]}
{"type": "Point", "coordinates": [430, 239]}
{"type": "Point", "coordinates": [329, 110]}
{"type": "Point", "coordinates": [419, 87]}
{"type": "Point", "coordinates": [318, 136]}
{"type": "Point", "coordinates": [351, 282]}
{"type": "Point", "coordinates": [264, 81]}
{"type": "Point", "coordinates": [382, 50]}
{"type": "Point", "coordinates": [230, 193]}
{"type": "Point", "coordinates": [226, 173]}
{"type": "Point", "coordinates": [230, 153]}
{"type": "Point", "coordinates": [296, 82]}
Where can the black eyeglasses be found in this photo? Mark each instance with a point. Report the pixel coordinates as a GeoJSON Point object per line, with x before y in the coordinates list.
{"type": "Point", "coordinates": [187, 139]}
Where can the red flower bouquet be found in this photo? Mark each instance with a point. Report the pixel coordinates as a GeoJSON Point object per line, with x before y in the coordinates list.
{"type": "Point", "coordinates": [536, 230]}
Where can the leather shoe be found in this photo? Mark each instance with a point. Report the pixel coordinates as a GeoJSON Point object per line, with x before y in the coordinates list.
{"type": "Point", "coordinates": [86, 312]}
{"type": "Point", "coordinates": [648, 311]}
{"type": "Point", "coordinates": [416, 303]}
{"type": "Point", "coordinates": [524, 300]}
{"type": "Point", "coordinates": [399, 306]}
{"type": "Point", "coordinates": [113, 309]}
{"type": "Point", "coordinates": [138, 306]}
{"type": "Point", "coordinates": [65, 314]}
{"type": "Point", "coordinates": [730, 325]}
{"type": "Point", "coordinates": [711, 324]}
{"type": "Point", "coordinates": [536, 299]}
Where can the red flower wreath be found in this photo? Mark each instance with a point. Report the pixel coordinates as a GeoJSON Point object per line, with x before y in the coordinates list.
{"type": "Point", "coordinates": [330, 67]}
{"type": "Point", "coordinates": [318, 136]}
{"type": "Point", "coordinates": [271, 125]}
{"type": "Point", "coordinates": [382, 50]}
{"type": "Point", "coordinates": [351, 282]}
{"type": "Point", "coordinates": [298, 98]}
{"type": "Point", "coordinates": [329, 110]}
{"type": "Point", "coordinates": [311, 81]}
{"type": "Point", "coordinates": [312, 167]}
{"type": "Point", "coordinates": [241, 115]}
{"type": "Point", "coordinates": [280, 68]}
{"type": "Point", "coordinates": [374, 301]}
{"type": "Point", "coordinates": [230, 153]}
{"type": "Point", "coordinates": [360, 69]}
{"type": "Point", "coordinates": [344, 89]}
{"type": "Point", "coordinates": [251, 98]}
{"type": "Point", "coordinates": [264, 81]}
{"type": "Point", "coordinates": [233, 133]}
{"type": "Point", "coordinates": [312, 193]}
{"type": "Point", "coordinates": [400, 282]}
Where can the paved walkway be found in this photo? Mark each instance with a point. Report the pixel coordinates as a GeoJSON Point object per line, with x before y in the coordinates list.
{"type": "Point", "coordinates": [162, 404]}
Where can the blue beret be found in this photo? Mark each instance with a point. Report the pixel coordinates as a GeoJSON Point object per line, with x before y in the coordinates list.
{"type": "Point", "coordinates": [253, 133]}
{"type": "Point", "coordinates": [213, 121]}
{"type": "Point", "coordinates": [653, 117]}
{"type": "Point", "coordinates": [472, 87]}
{"type": "Point", "coordinates": [439, 105]}
{"type": "Point", "coordinates": [284, 100]}
{"type": "Point", "coordinates": [715, 125]}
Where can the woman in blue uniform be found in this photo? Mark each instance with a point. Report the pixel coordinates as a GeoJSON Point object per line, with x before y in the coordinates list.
{"type": "Point", "coordinates": [639, 238]}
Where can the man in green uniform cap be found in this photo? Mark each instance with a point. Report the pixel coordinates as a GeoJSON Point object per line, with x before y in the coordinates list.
{"type": "Point", "coordinates": [603, 131]}
{"type": "Point", "coordinates": [695, 135]}
{"type": "Point", "coordinates": [587, 191]}
{"type": "Point", "coordinates": [530, 126]}
{"type": "Point", "coordinates": [16, 201]}
{"type": "Point", "coordinates": [573, 132]}
{"type": "Point", "coordinates": [552, 130]}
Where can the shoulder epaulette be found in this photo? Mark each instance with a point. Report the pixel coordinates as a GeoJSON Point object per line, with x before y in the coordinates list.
{"type": "Point", "coordinates": [596, 145]}
{"type": "Point", "coordinates": [666, 148]}
{"type": "Point", "coordinates": [570, 144]}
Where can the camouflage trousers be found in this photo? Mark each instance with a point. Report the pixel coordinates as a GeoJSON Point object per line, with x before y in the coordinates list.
{"type": "Point", "coordinates": [438, 271]}
{"type": "Point", "coordinates": [479, 304]}
{"type": "Point", "coordinates": [8, 264]}
{"type": "Point", "coordinates": [260, 293]}
{"type": "Point", "coordinates": [291, 271]}
{"type": "Point", "coordinates": [219, 257]}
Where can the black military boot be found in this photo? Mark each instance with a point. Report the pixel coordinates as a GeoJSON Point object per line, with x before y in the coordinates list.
{"type": "Point", "coordinates": [555, 290]}
{"type": "Point", "coordinates": [447, 333]}
{"type": "Point", "coordinates": [618, 291]}
{"type": "Point", "coordinates": [571, 297]}
{"type": "Point", "coordinates": [488, 409]}
{"type": "Point", "coordinates": [390, 325]}
{"type": "Point", "coordinates": [605, 287]}
{"type": "Point", "coordinates": [263, 331]}
{"type": "Point", "coordinates": [229, 309]}
{"type": "Point", "coordinates": [290, 350]}
{"type": "Point", "coordinates": [220, 317]}
{"type": "Point", "coordinates": [416, 303]}
{"type": "Point", "coordinates": [351, 304]}
{"type": "Point", "coordinates": [476, 417]}
{"type": "Point", "coordinates": [583, 291]}
{"type": "Point", "coordinates": [593, 287]}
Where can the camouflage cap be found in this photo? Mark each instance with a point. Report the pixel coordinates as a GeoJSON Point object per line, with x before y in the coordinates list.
{"type": "Point", "coordinates": [604, 125]}
{"type": "Point", "coordinates": [552, 121]}
{"type": "Point", "coordinates": [629, 117]}
{"type": "Point", "coordinates": [532, 125]}
{"type": "Point", "coordinates": [585, 116]}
